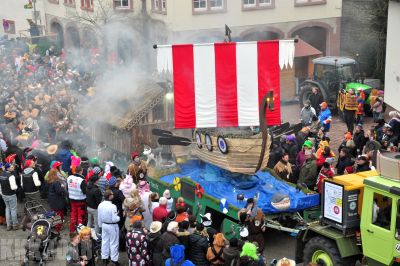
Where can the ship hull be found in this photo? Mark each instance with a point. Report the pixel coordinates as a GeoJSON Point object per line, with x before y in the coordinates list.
{"type": "Point", "coordinates": [242, 156]}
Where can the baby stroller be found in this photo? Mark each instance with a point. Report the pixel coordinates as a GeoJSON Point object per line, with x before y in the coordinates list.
{"type": "Point", "coordinates": [42, 241]}
{"type": "Point", "coordinates": [33, 209]}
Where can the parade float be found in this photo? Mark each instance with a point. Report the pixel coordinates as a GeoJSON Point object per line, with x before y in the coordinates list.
{"type": "Point", "coordinates": [229, 94]}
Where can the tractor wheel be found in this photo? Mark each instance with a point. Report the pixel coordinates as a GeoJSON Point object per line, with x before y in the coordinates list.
{"type": "Point", "coordinates": [305, 95]}
{"type": "Point", "coordinates": [323, 251]}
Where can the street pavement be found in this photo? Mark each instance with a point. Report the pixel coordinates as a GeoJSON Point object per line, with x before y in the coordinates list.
{"type": "Point", "coordinates": [278, 244]}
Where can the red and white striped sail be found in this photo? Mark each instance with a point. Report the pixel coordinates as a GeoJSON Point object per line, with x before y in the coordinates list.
{"type": "Point", "coordinates": [222, 84]}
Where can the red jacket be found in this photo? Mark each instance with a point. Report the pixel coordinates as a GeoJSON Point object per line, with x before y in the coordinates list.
{"type": "Point", "coordinates": [160, 213]}
{"type": "Point", "coordinates": [323, 174]}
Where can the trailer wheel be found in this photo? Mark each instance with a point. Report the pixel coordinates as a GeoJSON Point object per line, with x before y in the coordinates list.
{"type": "Point", "coordinates": [305, 94]}
{"type": "Point", "coordinates": [324, 252]}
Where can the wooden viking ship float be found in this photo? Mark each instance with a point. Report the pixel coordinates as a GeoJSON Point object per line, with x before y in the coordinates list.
{"type": "Point", "coordinates": [206, 76]}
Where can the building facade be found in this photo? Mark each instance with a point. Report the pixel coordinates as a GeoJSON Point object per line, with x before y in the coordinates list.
{"type": "Point", "coordinates": [317, 22]}
{"type": "Point", "coordinates": [14, 15]}
{"type": "Point", "coordinates": [392, 72]}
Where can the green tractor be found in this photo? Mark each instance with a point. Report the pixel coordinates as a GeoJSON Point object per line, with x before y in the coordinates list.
{"type": "Point", "coordinates": [332, 73]}
{"type": "Point", "coordinates": [360, 219]}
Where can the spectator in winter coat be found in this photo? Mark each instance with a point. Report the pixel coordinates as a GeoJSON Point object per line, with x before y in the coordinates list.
{"type": "Point", "coordinates": [377, 107]}
{"type": "Point", "coordinates": [137, 246]}
{"type": "Point", "coordinates": [307, 113]}
{"type": "Point", "coordinates": [300, 159]}
{"type": "Point", "coordinates": [178, 257]}
{"type": "Point", "coordinates": [9, 187]}
{"type": "Point", "coordinates": [93, 199]}
{"type": "Point", "coordinates": [198, 245]}
{"type": "Point", "coordinates": [77, 197]}
{"type": "Point", "coordinates": [170, 218]}
{"type": "Point", "coordinates": [283, 168]}
{"type": "Point", "coordinates": [168, 239]}
{"type": "Point", "coordinates": [325, 117]}
{"type": "Point", "coordinates": [183, 235]}
{"type": "Point", "coordinates": [118, 199]}
{"type": "Point", "coordinates": [291, 148]}
{"type": "Point", "coordinates": [160, 213]}
{"type": "Point", "coordinates": [345, 160]}
{"type": "Point", "coordinates": [325, 173]}
{"type": "Point", "coordinates": [362, 164]}
{"type": "Point", "coordinates": [394, 122]}
{"type": "Point", "coordinates": [63, 155]}
{"type": "Point", "coordinates": [56, 195]}
{"type": "Point", "coordinates": [316, 99]}
{"type": "Point", "coordinates": [360, 106]}
{"type": "Point", "coordinates": [215, 253]}
{"type": "Point", "coordinates": [359, 139]}
{"type": "Point", "coordinates": [308, 172]}
{"type": "Point", "coordinates": [327, 153]}
{"type": "Point", "coordinates": [232, 252]}
{"type": "Point", "coordinates": [30, 181]}
{"type": "Point", "coordinates": [154, 244]}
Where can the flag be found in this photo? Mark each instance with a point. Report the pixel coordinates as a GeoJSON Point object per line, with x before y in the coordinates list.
{"type": "Point", "coordinates": [222, 84]}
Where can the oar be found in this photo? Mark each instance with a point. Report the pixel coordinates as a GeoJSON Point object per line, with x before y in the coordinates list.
{"type": "Point", "coordinates": [161, 132]}
{"type": "Point", "coordinates": [175, 141]}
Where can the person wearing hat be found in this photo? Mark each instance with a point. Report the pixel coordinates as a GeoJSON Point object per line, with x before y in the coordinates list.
{"type": "Point", "coordinates": [362, 164]}
{"type": "Point", "coordinates": [108, 221]}
{"type": "Point", "coordinates": [9, 188]}
{"type": "Point", "coordinates": [307, 113]}
{"type": "Point", "coordinates": [30, 181]}
{"type": "Point", "coordinates": [93, 200]}
{"type": "Point", "coordinates": [316, 99]}
{"type": "Point", "coordinates": [137, 169]}
{"type": "Point", "coordinates": [168, 239]}
{"type": "Point", "coordinates": [93, 162]}
{"type": "Point", "coordinates": [207, 222]}
{"type": "Point", "coordinates": [77, 198]}
{"type": "Point", "coordinates": [198, 245]}
{"type": "Point", "coordinates": [290, 147]}
{"type": "Point", "coordinates": [118, 198]}
{"type": "Point", "coordinates": [325, 117]}
{"type": "Point", "coordinates": [359, 139]}
{"type": "Point", "coordinates": [154, 244]}
{"type": "Point", "coordinates": [178, 257]}
{"type": "Point", "coordinates": [137, 246]}
{"type": "Point", "coordinates": [300, 158]}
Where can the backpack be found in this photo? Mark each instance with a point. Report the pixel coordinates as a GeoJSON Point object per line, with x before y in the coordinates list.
{"type": "Point", "coordinates": [217, 255]}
